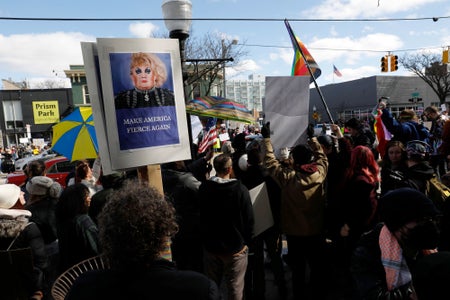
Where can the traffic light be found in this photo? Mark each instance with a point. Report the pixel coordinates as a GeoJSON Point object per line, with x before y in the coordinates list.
{"type": "Point", "coordinates": [445, 56]}
{"type": "Point", "coordinates": [394, 63]}
{"type": "Point", "coordinates": [384, 63]}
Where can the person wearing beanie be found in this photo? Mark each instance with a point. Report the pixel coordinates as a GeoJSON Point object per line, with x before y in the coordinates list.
{"type": "Point", "coordinates": [303, 199]}
{"type": "Point", "coordinates": [44, 193]}
{"type": "Point", "coordinates": [419, 171]}
{"type": "Point", "coordinates": [385, 258]}
{"type": "Point", "coordinates": [361, 136]}
{"type": "Point", "coordinates": [17, 232]}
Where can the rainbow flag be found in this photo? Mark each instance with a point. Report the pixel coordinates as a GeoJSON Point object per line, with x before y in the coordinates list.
{"type": "Point", "coordinates": [382, 134]}
{"type": "Point", "coordinates": [299, 65]}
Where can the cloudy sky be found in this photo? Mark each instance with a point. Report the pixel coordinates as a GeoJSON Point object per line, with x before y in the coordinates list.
{"type": "Point", "coordinates": [351, 34]}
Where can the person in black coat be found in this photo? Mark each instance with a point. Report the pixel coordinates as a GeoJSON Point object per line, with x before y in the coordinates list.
{"type": "Point", "coordinates": [16, 232]}
{"type": "Point", "coordinates": [181, 187]}
{"type": "Point", "coordinates": [135, 227]}
{"type": "Point", "coordinates": [226, 220]}
{"type": "Point", "coordinates": [385, 258]}
{"type": "Point", "coordinates": [254, 176]}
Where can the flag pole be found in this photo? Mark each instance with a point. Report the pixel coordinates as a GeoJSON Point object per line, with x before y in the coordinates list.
{"type": "Point", "coordinates": [291, 33]}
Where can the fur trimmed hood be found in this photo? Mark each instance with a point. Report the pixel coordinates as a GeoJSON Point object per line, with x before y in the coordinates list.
{"type": "Point", "coordinates": [12, 222]}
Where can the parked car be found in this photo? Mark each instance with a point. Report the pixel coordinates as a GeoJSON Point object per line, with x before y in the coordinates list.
{"type": "Point", "coordinates": [56, 168]}
{"type": "Point", "coordinates": [22, 162]}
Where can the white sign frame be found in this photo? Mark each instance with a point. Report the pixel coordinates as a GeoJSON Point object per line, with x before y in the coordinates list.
{"type": "Point", "coordinates": [136, 157]}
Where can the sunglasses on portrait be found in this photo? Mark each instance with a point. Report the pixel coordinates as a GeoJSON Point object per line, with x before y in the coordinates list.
{"type": "Point", "coordinates": [139, 71]}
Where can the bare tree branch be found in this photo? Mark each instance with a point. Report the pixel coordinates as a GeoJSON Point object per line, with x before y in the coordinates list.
{"type": "Point", "coordinates": [430, 69]}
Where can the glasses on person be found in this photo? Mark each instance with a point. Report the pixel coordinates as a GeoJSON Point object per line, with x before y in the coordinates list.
{"type": "Point", "coordinates": [138, 71]}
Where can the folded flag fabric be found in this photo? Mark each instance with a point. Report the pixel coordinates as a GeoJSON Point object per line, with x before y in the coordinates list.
{"type": "Point", "coordinates": [336, 71]}
{"type": "Point", "coordinates": [209, 135]}
{"type": "Point", "coordinates": [299, 65]}
{"type": "Point", "coordinates": [382, 134]}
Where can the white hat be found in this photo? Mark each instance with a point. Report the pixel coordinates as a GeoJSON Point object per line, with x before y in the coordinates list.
{"type": "Point", "coordinates": [9, 194]}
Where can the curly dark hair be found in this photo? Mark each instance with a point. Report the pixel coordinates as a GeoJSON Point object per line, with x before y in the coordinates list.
{"type": "Point", "coordinates": [135, 225]}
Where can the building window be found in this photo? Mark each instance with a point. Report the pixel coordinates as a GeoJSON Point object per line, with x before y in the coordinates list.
{"type": "Point", "coordinates": [86, 98]}
{"type": "Point", "coordinates": [13, 114]}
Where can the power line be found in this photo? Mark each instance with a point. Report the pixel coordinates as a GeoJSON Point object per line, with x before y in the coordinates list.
{"type": "Point", "coordinates": [343, 49]}
{"type": "Point", "coordinates": [434, 19]}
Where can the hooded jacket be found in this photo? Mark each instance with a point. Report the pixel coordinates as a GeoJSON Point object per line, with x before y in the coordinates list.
{"type": "Point", "coordinates": [418, 175]}
{"type": "Point", "coordinates": [404, 131]}
{"type": "Point", "coordinates": [226, 215]}
{"type": "Point", "coordinates": [303, 194]}
{"type": "Point", "coordinates": [14, 223]}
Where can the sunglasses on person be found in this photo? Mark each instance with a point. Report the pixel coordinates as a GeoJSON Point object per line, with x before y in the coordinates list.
{"type": "Point", "coordinates": [138, 71]}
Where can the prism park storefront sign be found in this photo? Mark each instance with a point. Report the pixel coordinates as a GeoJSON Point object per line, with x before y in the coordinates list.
{"type": "Point", "coordinates": [45, 112]}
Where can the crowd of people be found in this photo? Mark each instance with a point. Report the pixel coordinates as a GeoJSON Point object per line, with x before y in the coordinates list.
{"type": "Point", "coordinates": [9, 155]}
{"type": "Point", "coordinates": [347, 220]}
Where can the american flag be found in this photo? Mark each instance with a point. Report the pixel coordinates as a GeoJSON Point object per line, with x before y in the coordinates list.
{"type": "Point", "coordinates": [209, 136]}
{"type": "Point", "coordinates": [336, 71]}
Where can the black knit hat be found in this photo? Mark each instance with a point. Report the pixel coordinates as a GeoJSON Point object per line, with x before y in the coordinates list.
{"type": "Point", "coordinates": [302, 154]}
{"type": "Point", "coordinates": [404, 205]}
{"type": "Point", "coordinates": [326, 140]}
{"type": "Point", "coordinates": [353, 123]}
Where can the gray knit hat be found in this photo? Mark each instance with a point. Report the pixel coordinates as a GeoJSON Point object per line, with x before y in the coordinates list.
{"type": "Point", "coordinates": [42, 185]}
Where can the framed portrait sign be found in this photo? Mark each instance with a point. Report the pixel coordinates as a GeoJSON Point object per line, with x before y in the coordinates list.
{"type": "Point", "coordinates": [143, 101]}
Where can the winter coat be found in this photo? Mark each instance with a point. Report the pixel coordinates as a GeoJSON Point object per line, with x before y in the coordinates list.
{"type": "Point", "coordinates": [404, 131]}
{"type": "Point", "coordinates": [161, 280]}
{"type": "Point", "coordinates": [417, 176]}
{"type": "Point", "coordinates": [358, 205]}
{"type": "Point", "coordinates": [78, 240]}
{"type": "Point", "coordinates": [43, 214]}
{"type": "Point", "coordinates": [226, 215]}
{"type": "Point", "coordinates": [368, 271]}
{"type": "Point", "coordinates": [182, 189]}
{"type": "Point", "coordinates": [28, 235]}
{"type": "Point", "coordinates": [303, 194]}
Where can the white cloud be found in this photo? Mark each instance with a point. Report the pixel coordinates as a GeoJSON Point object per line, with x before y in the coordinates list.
{"type": "Point", "coordinates": [337, 9]}
{"type": "Point", "coordinates": [327, 49]}
{"type": "Point", "coordinates": [244, 66]}
{"type": "Point", "coordinates": [39, 54]}
{"type": "Point", "coordinates": [370, 43]}
{"type": "Point", "coordinates": [142, 29]}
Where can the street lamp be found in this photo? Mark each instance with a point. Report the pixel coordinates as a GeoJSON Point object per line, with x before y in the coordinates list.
{"type": "Point", "coordinates": [178, 18]}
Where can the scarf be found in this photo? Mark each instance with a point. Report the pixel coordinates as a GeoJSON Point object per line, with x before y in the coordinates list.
{"type": "Point", "coordinates": [395, 267]}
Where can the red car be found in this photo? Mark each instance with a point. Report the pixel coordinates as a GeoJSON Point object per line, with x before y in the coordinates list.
{"type": "Point", "coordinates": [56, 168]}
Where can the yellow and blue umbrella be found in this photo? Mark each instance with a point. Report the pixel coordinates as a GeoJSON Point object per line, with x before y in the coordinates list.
{"type": "Point", "coordinates": [74, 137]}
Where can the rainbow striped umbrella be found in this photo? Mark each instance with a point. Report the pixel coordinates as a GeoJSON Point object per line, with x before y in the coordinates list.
{"type": "Point", "coordinates": [221, 108]}
{"type": "Point", "coordinates": [74, 137]}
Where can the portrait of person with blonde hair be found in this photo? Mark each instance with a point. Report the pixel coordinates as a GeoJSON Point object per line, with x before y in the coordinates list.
{"type": "Point", "coordinates": [148, 73]}
{"type": "Point", "coordinates": [144, 99]}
